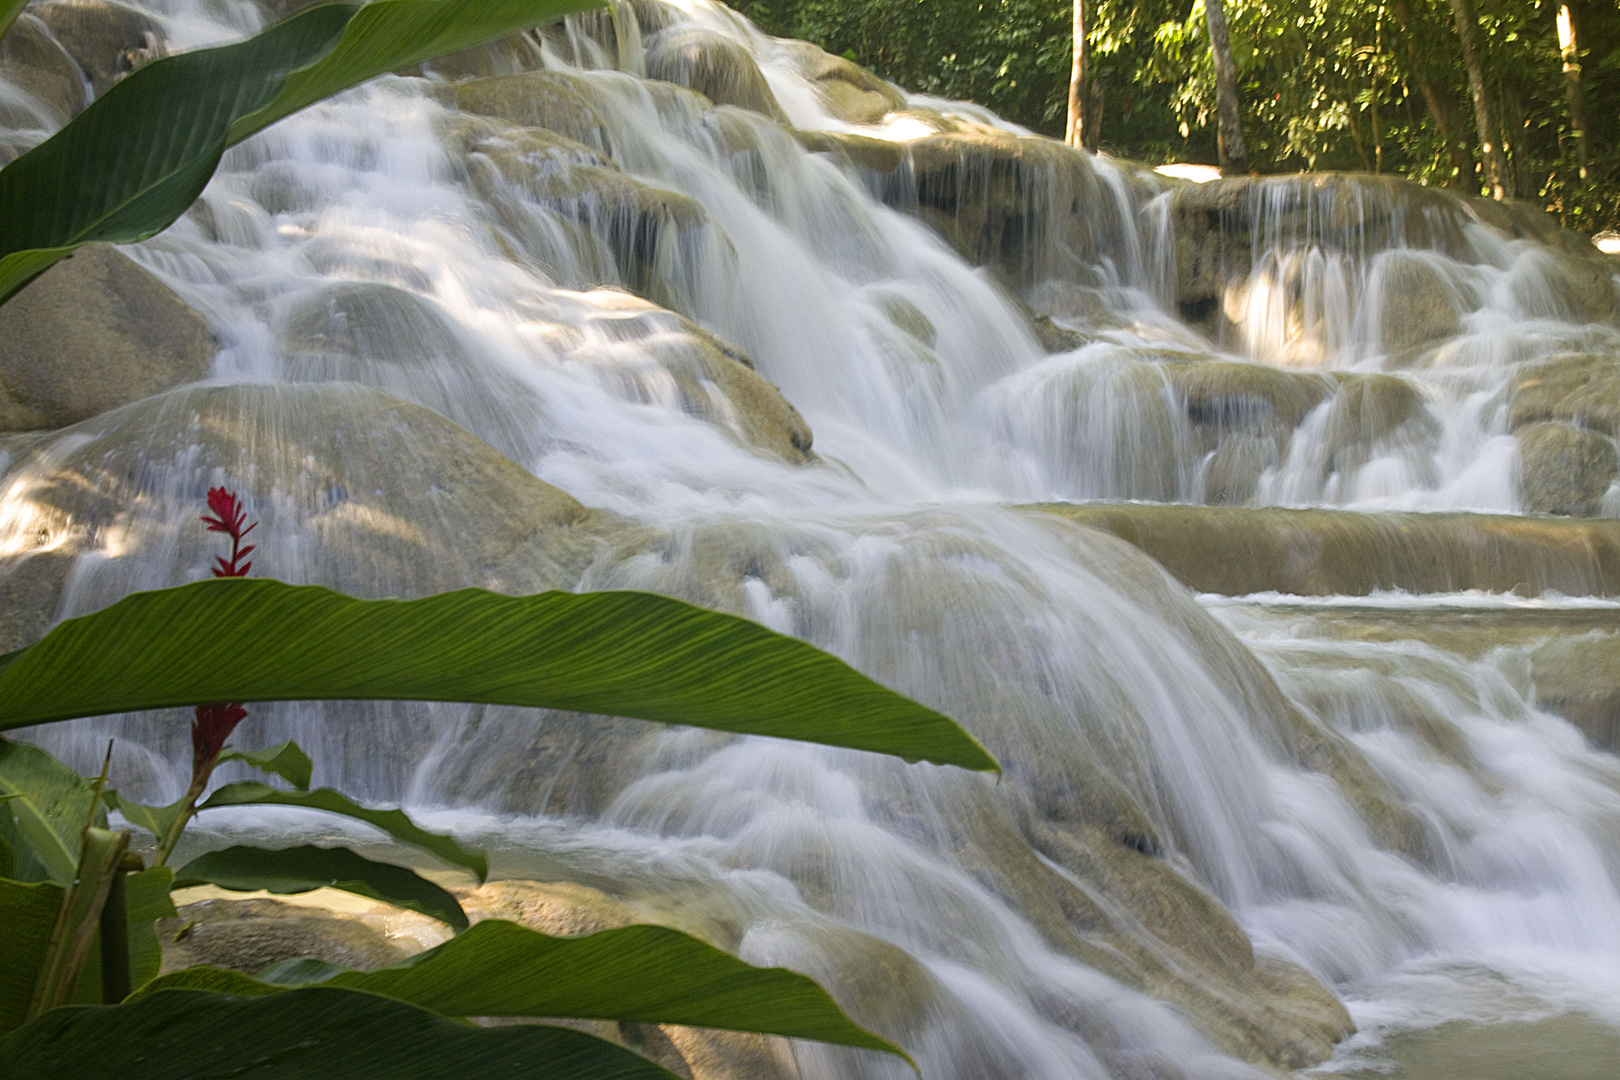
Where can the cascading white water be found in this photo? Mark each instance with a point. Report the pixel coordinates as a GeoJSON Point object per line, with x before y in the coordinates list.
{"type": "Point", "coordinates": [1395, 820]}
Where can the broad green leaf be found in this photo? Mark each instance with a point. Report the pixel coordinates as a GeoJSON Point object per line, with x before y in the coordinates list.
{"type": "Point", "coordinates": [391, 34]}
{"type": "Point", "coordinates": [618, 653]}
{"type": "Point", "coordinates": [27, 913]}
{"type": "Point", "coordinates": [393, 822]}
{"type": "Point", "coordinates": [304, 869]}
{"type": "Point", "coordinates": [131, 163]}
{"type": "Point", "coordinates": [287, 761]}
{"type": "Point", "coordinates": [157, 820]}
{"type": "Point", "coordinates": [148, 901]}
{"type": "Point", "coordinates": [651, 974]}
{"type": "Point", "coordinates": [319, 1032]}
{"type": "Point", "coordinates": [49, 808]}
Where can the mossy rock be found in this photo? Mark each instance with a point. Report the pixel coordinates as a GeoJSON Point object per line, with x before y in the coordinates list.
{"type": "Point", "coordinates": [32, 60]}
{"type": "Point", "coordinates": [1416, 306]}
{"type": "Point", "coordinates": [1564, 469]}
{"type": "Point", "coordinates": [558, 101]}
{"type": "Point", "coordinates": [713, 65]}
{"type": "Point", "coordinates": [879, 156]}
{"type": "Point", "coordinates": [1578, 677]}
{"type": "Point", "coordinates": [94, 332]}
{"type": "Point", "coordinates": [107, 39]}
{"type": "Point", "coordinates": [850, 92]}
{"type": "Point", "coordinates": [1579, 388]}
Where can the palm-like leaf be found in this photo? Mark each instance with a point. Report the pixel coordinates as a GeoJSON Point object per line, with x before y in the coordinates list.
{"type": "Point", "coordinates": [131, 163]}
{"type": "Point", "coordinates": [618, 653]}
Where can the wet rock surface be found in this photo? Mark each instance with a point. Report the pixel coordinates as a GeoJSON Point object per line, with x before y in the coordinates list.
{"type": "Point", "coordinates": [1563, 469]}
{"type": "Point", "coordinates": [1238, 551]}
{"type": "Point", "coordinates": [92, 333]}
{"type": "Point", "coordinates": [712, 65]}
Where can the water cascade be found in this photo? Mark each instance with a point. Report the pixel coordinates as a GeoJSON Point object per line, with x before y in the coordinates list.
{"type": "Point", "coordinates": [648, 299]}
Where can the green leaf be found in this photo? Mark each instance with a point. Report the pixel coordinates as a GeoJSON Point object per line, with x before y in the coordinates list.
{"type": "Point", "coordinates": [43, 820]}
{"type": "Point", "coordinates": [304, 869]}
{"type": "Point", "coordinates": [149, 901]}
{"type": "Point", "coordinates": [131, 163]}
{"type": "Point", "coordinates": [651, 974]}
{"type": "Point", "coordinates": [619, 653]}
{"type": "Point", "coordinates": [79, 920]}
{"type": "Point", "coordinates": [157, 820]}
{"type": "Point", "coordinates": [393, 822]}
{"type": "Point", "coordinates": [287, 761]}
{"type": "Point", "coordinates": [27, 913]}
{"type": "Point", "coordinates": [303, 1034]}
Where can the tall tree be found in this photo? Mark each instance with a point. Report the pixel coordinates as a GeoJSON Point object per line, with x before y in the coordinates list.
{"type": "Point", "coordinates": [1442, 105]}
{"type": "Point", "coordinates": [1234, 153]}
{"type": "Point", "coordinates": [1490, 132]}
{"type": "Point", "coordinates": [1574, 94]}
{"type": "Point", "coordinates": [1075, 134]}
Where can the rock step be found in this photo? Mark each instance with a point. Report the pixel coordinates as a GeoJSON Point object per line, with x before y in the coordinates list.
{"type": "Point", "coordinates": [1240, 550]}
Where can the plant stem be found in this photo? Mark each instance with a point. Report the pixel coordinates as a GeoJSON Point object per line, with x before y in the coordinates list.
{"type": "Point", "coordinates": [115, 961]}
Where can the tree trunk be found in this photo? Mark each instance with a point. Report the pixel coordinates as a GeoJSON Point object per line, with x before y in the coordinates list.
{"type": "Point", "coordinates": [1515, 126]}
{"type": "Point", "coordinates": [1228, 109]}
{"type": "Point", "coordinates": [1077, 133]}
{"type": "Point", "coordinates": [1490, 137]}
{"type": "Point", "coordinates": [1447, 117]}
{"type": "Point", "coordinates": [1574, 93]}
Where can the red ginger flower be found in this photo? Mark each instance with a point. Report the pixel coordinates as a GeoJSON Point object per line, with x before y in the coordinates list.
{"type": "Point", "coordinates": [214, 723]}
{"type": "Point", "coordinates": [227, 518]}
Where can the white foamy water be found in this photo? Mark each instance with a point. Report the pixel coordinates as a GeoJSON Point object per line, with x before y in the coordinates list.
{"type": "Point", "coordinates": [1400, 821]}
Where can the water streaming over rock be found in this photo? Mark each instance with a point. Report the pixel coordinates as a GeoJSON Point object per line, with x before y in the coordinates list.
{"type": "Point", "coordinates": [531, 319]}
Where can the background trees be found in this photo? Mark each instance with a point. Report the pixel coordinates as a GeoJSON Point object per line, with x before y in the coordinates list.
{"type": "Point", "coordinates": [1374, 85]}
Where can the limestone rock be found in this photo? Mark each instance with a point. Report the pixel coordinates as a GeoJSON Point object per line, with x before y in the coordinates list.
{"type": "Point", "coordinates": [1415, 305]}
{"type": "Point", "coordinates": [33, 61]}
{"type": "Point", "coordinates": [250, 935]}
{"type": "Point", "coordinates": [876, 156]}
{"type": "Point", "coordinates": [107, 39]}
{"type": "Point", "coordinates": [538, 99]}
{"type": "Point", "coordinates": [1563, 469]}
{"type": "Point", "coordinates": [1578, 677]}
{"type": "Point", "coordinates": [1237, 551]}
{"type": "Point", "coordinates": [1580, 388]}
{"type": "Point", "coordinates": [715, 66]}
{"type": "Point", "coordinates": [850, 92]}
{"type": "Point", "coordinates": [94, 332]}
{"type": "Point", "coordinates": [353, 488]}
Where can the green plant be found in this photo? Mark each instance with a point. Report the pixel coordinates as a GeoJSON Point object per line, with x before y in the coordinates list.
{"type": "Point", "coordinates": [78, 910]}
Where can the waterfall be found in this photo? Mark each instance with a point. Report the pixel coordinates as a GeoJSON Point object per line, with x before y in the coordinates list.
{"type": "Point", "coordinates": [529, 318]}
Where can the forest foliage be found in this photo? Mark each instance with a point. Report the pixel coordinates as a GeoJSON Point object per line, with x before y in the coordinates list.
{"type": "Point", "coordinates": [1366, 85]}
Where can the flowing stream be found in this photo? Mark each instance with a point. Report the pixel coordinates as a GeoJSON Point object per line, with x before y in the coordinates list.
{"type": "Point", "coordinates": [1362, 788]}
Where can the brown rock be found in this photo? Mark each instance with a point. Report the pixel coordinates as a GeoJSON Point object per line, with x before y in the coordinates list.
{"type": "Point", "coordinates": [1578, 677]}
{"type": "Point", "coordinates": [92, 333]}
{"type": "Point", "coordinates": [1564, 469]}
{"type": "Point", "coordinates": [31, 60]}
{"type": "Point", "coordinates": [107, 39]}
{"type": "Point", "coordinates": [250, 935]}
{"type": "Point", "coordinates": [715, 66]}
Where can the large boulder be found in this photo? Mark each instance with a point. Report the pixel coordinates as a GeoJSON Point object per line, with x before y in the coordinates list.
{"type": "Point", "coordinates": [536, 99]}
{"type": "Point", "coordinates": [713, 65]}
{"type": "Point", "coordinates": [250, 935]}
{"type": "Point", "coordinates": [1413, 303]}
{"type": "Point", "coordinates": [1564, 469]}
{"type": "Point", "coordinates": [92, 333]}
{"type": "Point", "coordinates": [850, 92]}
{"type": "Point", "coordinates": [1578, 677]}
{"type": "Point", "coordinates": [1579, 388]}
{"type": "Point", "coordinates": [107, 39]}
{"type": "Point", "coordinates": [32, 61]}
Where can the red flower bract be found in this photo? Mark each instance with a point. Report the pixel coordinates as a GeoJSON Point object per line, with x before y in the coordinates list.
{"type": "Point", "coordinates": [227, 518]}
{"type": "Point", "coordinates": [212, 726]}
